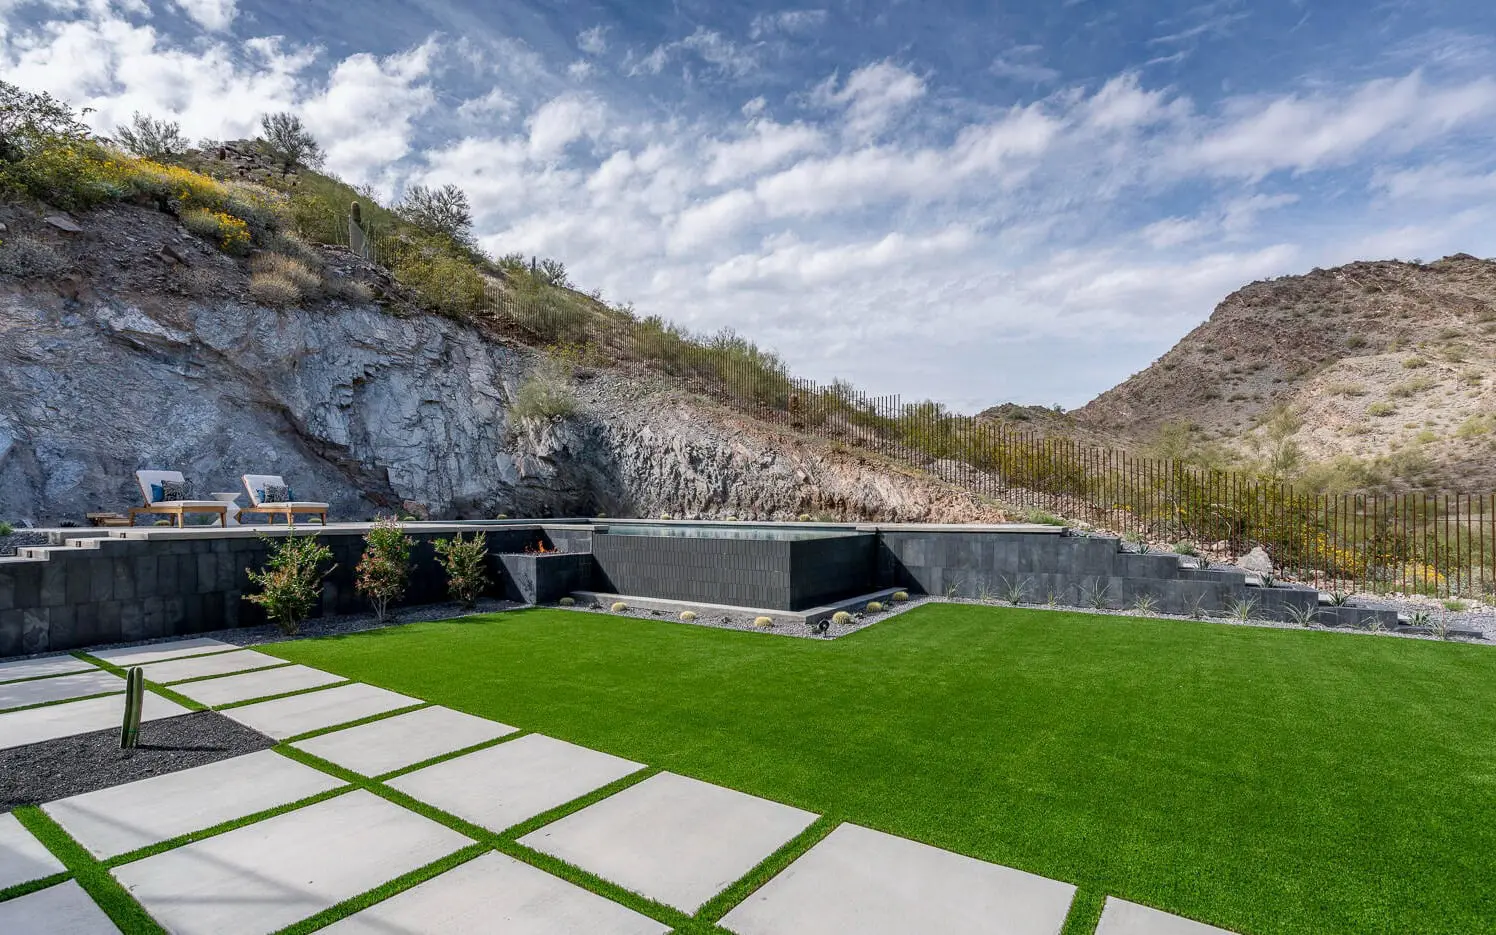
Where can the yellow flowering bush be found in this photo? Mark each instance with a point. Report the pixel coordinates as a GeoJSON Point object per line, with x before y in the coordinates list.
{"type": "Point", "coordinates": [230, 233]}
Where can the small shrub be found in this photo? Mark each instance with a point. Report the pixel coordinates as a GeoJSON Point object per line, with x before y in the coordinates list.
{"type": "Point", "coordinates": [687, 616]}
{"type": "Point", "coordinates": [24, 258]}
{"type": "Point", "coordinates": [1303, 616]}
{"type": "Point", "coordinates": [664, 516]}
{"type": "Point", "coordinates": [874, 607]}
{"type": "Point", "coordinates": [899, 596]}
{"type": "Point", "coordinates": [1453, 605]}
{"type": "Point", "coordinates": [1195, 607]}
{"type": "Point", "coordinates": [1096, 594]}
{"type": "Point", "coordinates": [1186, 548]}
{"type": "Point", "coordinates": [288, 140]}
{"type": "Point", "coordinates": [1380, 410]}
{"type": "Point", "coordinates": [1014, 592]}
{"type": "Point", "coordinates": [444, 284]}
{"type": "Point", "coordinates": [1145, 605]}
{"type": "Point", "coordinates": [619, 607]}
{"type": "Point", "coordinates": [1414, 362]}
{"type": "Point", "coordinates": [6, 529]}
{"type": "Point", "coordinates": [307, 282]}
{"type": "Point", "coordinates": [348, 290]}
{"type": "Point", "coordinates": [230, 234]}
{"type": "Point", "coordinates": [1356, 341]}
{"type": "Point", "coordinates": [803, 518]}
{"type": "Point", "coordinates": [1242, 610]}
{"type": "Point", "coordinates": [384, 570]}
{"type": "Point", "coordinates": [1438, 626]}
{"type": "Point", "coordinates": [291, 581]}
{"type": "Point", "coordinates": [152, 139]}
{"type": "Point", "coordinates": [841, 618]}
{"type": "Point", "coordinates": [1347, 389]}
{"type": "Point", "coordinates": [567, 601]}
{"type": "Point", "coordinates": [466, 563]}
{"type": "Point", "coordinates": [763, 622]}
{"type": "Point", "coordinates": [274, 290]}
{"type": "Point", "coordinates": [545, 395]}
{"type": "Point", "coordinates": [1340, 598]}
{"type": "Point", "coordinates": [1043, 518]}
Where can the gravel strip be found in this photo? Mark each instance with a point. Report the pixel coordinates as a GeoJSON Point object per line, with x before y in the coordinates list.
{"type": "Point", "coordinates": [56, 769]}
{"type": "Point", "coordinates": [21, 540]}
{"type": "Point", "coordinates": [744, 621]}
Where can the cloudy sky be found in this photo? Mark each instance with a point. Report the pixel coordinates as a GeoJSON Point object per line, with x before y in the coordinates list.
{"type": "Point", "coordinates": [1025, 201]}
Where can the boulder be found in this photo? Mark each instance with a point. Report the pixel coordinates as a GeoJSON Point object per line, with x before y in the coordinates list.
{"type": "Point", "coordinates": [1256, 562]}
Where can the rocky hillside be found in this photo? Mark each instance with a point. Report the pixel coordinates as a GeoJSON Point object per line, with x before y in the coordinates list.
{"type": "Point", "coordinates": [126, 342]}
{"type": "Point", "coordinates": [1383, 369]}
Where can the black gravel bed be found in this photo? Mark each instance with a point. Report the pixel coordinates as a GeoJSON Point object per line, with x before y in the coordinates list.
{"type": "Point", "coordinates": [56, 769]}
{"type": "Point", "coordinates": [21, 540]}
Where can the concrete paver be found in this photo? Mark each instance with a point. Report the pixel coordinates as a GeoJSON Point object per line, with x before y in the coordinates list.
{"type": "Point", "coordinates": [77, 717]}
{"type": "Point", "coordinates": [864, 881]}
{"type": "Point", "coordinates": [502, 786]}
{"type": "Point", "coordinates": [496, 893]}
{"type": "Point", "coordinates": [1120, 917]}
{"type": "Point", "coordinates": [403, 740]}
{"type": "Point", "coordinates": [674, 839]}
{"type": "Point", "coordinates": [60, 688]}
{"type": "Point", "coordinates": [247, 686]}
{"type": "Point", "coordinates": [192, 667]}
{"type": "Point", "coordinates": [283, 718]}
{"type": "Point", "coordinates": [267, 875]}
{"type": "Point", "coordinates": [22, 857]}
{"type": "Point", "coordinates": [47, 665]}
{"type": "Point", "coordinates": [127, 656]}
{"type": "Point", "coordinates": [120, 819]}
{"type": "Point", "coordinates": [63, 908]}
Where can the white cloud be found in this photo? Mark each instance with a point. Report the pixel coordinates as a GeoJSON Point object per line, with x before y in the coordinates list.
{"type": "Point", "coordinates": [873, 96]}
{"type": "Point", "coordinates": [793, 264]}
{"type": "Point", "coordinates": [766, 145]}
{"type": "Point", "coordinates": [593, 41]}
{"type": "Point", "coordinates": [1022, 63]}
{"type": "Point", "coordinates": [1440, 182]}
{"type": "Point", "coordinates": [364, 116]}
{"type": "Point", "coordinates": [790, 22]}
{"type": "Point", "coordinates": [496, 103]}
{"type": "Point", "coordinates": [709, 46]}
{"type": "Point", "coordinates": [562, 121]}
{"type": "Point", "coordinates": [579, 69]}
{"type": "Point", "coordinates": [212, 15]}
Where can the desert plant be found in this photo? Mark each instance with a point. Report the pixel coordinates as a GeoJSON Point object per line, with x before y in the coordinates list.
{"type": "Point", "coordinates": [1380, 410]}
{"type": "Point", "coordinates": [24, 257]}
{"type": "Point", "coordinates": [1195, 607]}
{"type": "Point", "coordinates": [1202, 563]}
{"type": "Point", "coordinates": [229, 233]}
{"type": "Point", "coordinates": [899, 596]}
{"type": "Point", "coordinates": [1340, 598]}
{"type": "Point", "coordinates": [307, 281]}
{"type": "Point", "coordinates": [289, 141]}
{"type": "Point", "coordinates": [545, 395]}
{"type": "Point", "coordinates": [1266, 579]}
{"type": "Point", "coordinates": [763, 622]}
{"type": "Point", "coordinates": [664, 516]}
{"type": "Point", "coordinates": [1096, 594]}
{"type": "Point", "coordinates": [349, 290]}
{"type": "Point", "coordinates": [6, 529]}
{"type": "Point", "coordinates": [1043, 517]}
{"type": "Point", "coordinates": [1453, 605]}
{"type": "Point", "coordinates": [803, 518]}
{"type": "Point", "coordinates": [466, 563]}
{"type": "Point", "coordinates": [384, 569]}
{"type": "Point", "coordinates": [129, 736]}
{"type": "Point", "coordinates": [1420, 618]}
{"type": "Point", "coordinates": [274, 290]}
{"type": "Point", "coordinates": [552, 273]}
{"type": "Point", "coordinates": [1438, 626]}
{"type": "Point", "coordinates": [567, 601]}
{"type": "Point", "coordinates": [1374, 624]}
{"type": "Point", "coordinates": [619, 607]}
{"type": "Point", "coordinates": [687, 616]}
{"type": "Point", "coordinates": [443, 210]}
{"type": "Point", "coordinates": [1303, 616]}
{"type": "Point", "coordinates": [841, 618]}
{"type": "Point", "coordinates": [1051, 600]}
{"type": "Point", "coordinates": [150, 138]}
{"type": "Point", "coordinates": [985, 593]}
{"type": "Point", "coordinates": [291, 581]}
{"type": "Point", "coordinates": [1186, 548]}
{"type": "Point", "coordinates": [952, 589]}
{"type": "Point", "coordinates": [874, 607]}
{"type": "Point", "coordinates": [1015, 591]}
{"type": "Point", "coordinates": [1145, 605]}
{"type": "Point", "coordinates": [1242, 609]}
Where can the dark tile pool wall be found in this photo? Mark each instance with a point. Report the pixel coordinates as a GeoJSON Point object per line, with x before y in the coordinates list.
{"type": "Point", "coordinates": [744, 572]}
{"type": "Point", "coordinates": [832, 568]}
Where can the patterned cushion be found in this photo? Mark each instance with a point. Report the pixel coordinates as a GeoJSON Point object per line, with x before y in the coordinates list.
{"type": "Point", "coordinates": [175, 490]}
{"type": "Point", "coordinates": [276, 493]}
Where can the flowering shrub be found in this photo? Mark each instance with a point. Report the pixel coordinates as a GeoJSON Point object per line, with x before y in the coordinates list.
{"type": "Point", "coordinates": [384, 570]}
{"type": "Point", "coordinates": [230, 233]}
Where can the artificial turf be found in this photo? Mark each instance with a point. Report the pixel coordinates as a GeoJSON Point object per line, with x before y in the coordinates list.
{"type": "Point", "coordinates": [1265, 781]}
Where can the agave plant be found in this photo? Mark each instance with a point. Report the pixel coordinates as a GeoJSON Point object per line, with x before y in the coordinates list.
{"type": "Point", "coordinates": [1303, 616]}
{"type": "Point", "coordinates": [1145, 605]}
{"type": "Point", "coordinates": [1340, 598]}
{"type": "Point", "coordinates": [1097, 594]}
{"type": "Point", "coordinates": [1015, 591]}
{"type": "Point", "coordinates": [1195, 607]}
{"type": "Point", "coordinates": [1242, 610]}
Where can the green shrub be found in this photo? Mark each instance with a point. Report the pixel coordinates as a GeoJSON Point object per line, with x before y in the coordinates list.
{"type": "Point", "coordinates": [274, 290]}
{"type": "Point", "coordinates": [1043, 517]}
{"type": "Point", "coordinates": [466, 563]}
{"type": "Point", "coordinates": [1414, 362]}
{"type": "Point", "coordinates": [545, 395]}
{"type": "Point", "coordinates": [1380, 410]}
{"type": "Point", "coordinates": [619, 607]}
{"type": "Point", "coordinates": [803, 518]}
{"type": "Point", "coordinates": [228, 233]}
{"type": "Point", "coordinates": [25, 257]}
{"type": "Point", "coordinates": [6, 529]}
{"type": "Point", "coordinates": [290, 269]}
{"type": "Point", "coordinates": [841, 618]}
{"type": "Point", "coordinates": [567, 602]}
{"type": "Point", "coordinates": [444, 284]}
{"type": "Point", "coordinates": [384, 569]}
{"type": "Point", "coordinates": [291, 581]}
{"type": "Point", "coordinates": [1186, 548]}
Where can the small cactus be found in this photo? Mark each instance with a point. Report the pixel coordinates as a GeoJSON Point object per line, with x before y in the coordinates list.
{"type": "Point", "coordinates": [841, 618]}
{"type": "Point", "coordinates": [687, 616]}
{"type": "Point", "coordinates": [129, 735]}
{"type": "Point", "coordinates": [764, 622]}
{"type": "Point", "coordinates": [567, 601]}
{"type": "Point", "coordinates": [899, 596]}
{"type": "Point", "coordinates": [502, 516]}
{"type": "Point", "coordinates": [804, 517]}
{"type": "Point", "coordinates": [619, 607]}
{"type": "Point", "coordinates": [664, 516]}
{"type": "Point", "coordinates": [873, 607]}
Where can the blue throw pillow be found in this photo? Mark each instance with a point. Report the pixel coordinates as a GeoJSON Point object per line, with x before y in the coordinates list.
{"type": "Point", "coordinates": [290, 494]}
{"type": "Point", "coordinates": [156, 493]}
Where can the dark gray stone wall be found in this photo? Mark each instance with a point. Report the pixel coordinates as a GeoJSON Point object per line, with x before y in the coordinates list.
{"type": "Point", "coordinates": [742, 572]}
{"type": "Point", "coordinates": [541, 579]}
{"type": "Point", "coordinates": [832, 568]}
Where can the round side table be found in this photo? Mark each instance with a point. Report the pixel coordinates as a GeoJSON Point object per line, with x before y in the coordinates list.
{"type": "Point", "coordinates": [231, 498]}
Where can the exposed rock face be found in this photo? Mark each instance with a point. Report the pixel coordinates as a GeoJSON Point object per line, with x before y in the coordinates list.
{"type": "Point", "coordinates": [368, 410]}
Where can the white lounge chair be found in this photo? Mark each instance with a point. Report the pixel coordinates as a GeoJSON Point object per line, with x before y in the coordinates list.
{"type": "Point", "coordinates": [255, 485]}
{"type": "Point", "coordinates": [155, 498]}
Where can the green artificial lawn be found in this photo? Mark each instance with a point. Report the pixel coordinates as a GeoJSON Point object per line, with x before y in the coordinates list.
{"type": "Point", "coordinates": [1265, 781]}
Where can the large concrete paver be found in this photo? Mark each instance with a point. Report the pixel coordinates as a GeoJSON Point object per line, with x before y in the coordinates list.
{"type": "Point", "coordinates": [59, 909]}
{"type": "Point", "coordinates": [502, 786]}
{"type": "Point", "coordinates": [674, 839]}
{"type": "Point", "coordinates": [77, 717]}
{"type": "Point", "coordinates": [22, 857]}
{"type": "Point", "coordinates": [403, 740]}
{"type": "Point", "coordinates": [1120, 917]}
{"type": "Point", "coordinates": [48, 665]}
{"type": "Point", "coordinates": [248, 686]}
{"type": "Point", "coordinates": [127, 656]}
{"type": "Point", "coordinates": [121, 819]}
{"type": "Point", "coordinates": [300, 714]}
{"type": "Point", "coordinates": [60, 688]}
{"type": "Point", "coordinates": [267, 875]}
{"type": "Point", "coordinates": [858, 880]}
{"type": "Point", "coordinates": [496, 893]}
{"type": "Point", "coordinates": [192, 667]}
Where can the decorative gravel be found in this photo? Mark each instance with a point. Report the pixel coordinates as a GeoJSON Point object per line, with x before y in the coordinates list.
{"type": "Point", "coordinates": [20, 540]}
{"type": "Point", "coordinates": [56, 769]}
{"type": "Point", "coordinates": [744, 621]}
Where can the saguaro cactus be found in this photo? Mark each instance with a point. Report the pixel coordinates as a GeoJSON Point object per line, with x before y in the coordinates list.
{"type": "Point", "coordinates": [129, 735]}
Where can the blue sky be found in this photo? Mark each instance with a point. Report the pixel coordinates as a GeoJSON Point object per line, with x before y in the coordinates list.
{"type": "Point", "coordinates": [973, 202]}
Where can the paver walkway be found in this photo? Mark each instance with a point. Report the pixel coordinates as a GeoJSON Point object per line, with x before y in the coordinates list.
{"type": "Point", "coordinates": [675, 840]}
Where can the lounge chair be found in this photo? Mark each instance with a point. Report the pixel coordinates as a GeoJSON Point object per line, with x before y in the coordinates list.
{"type": "Point", "coordinates": [151, 487]}
{"type": "Point", "coordinates": [255, 485]}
